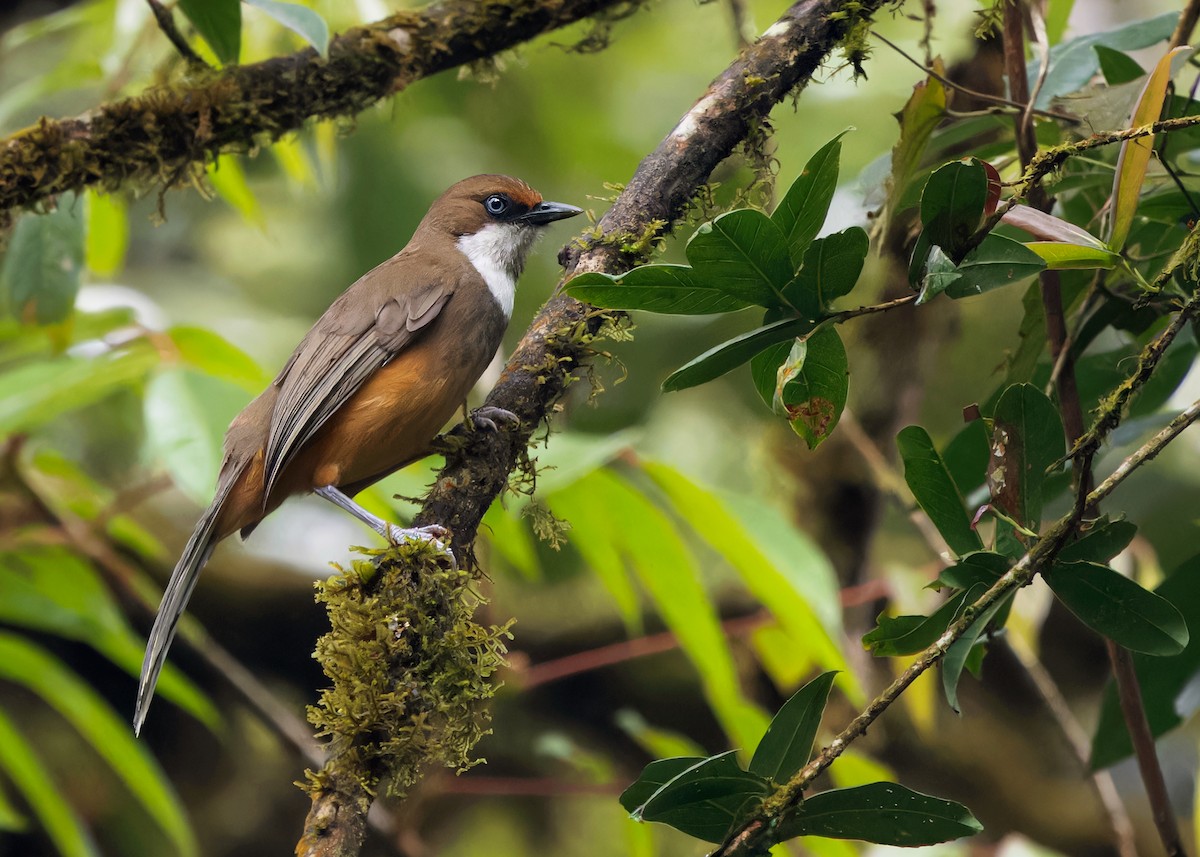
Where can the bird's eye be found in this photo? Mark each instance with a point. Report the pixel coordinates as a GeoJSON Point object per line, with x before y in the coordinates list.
{"type": "Point", "coordinates": [497, 204]}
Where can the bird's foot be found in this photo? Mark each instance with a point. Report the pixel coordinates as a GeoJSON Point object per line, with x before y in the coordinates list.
{"type": "Point", "coordinates": [487, 417]}
{"type": "Point", "coordinates": [433, 534]}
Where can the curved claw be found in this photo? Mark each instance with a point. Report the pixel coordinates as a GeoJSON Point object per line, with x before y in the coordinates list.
{"type": "Point", "coordinates": [487, 417]}
{"type": "Point", "coordinates": [434, 534]}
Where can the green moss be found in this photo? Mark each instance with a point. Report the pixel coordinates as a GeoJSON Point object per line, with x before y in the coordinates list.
{"type": "Point", "coordinates": [410, 669]}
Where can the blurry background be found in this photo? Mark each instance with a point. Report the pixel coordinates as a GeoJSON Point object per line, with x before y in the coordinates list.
{"type": "Point", "coordinates": [110, 452]}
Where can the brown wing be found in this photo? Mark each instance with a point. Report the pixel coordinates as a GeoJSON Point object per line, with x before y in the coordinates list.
{"type": "Point", "coordinates": [364, 329]}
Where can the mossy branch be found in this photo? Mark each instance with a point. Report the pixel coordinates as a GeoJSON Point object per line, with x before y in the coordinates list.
{"type": "Point", "coordinates": [165, 134]}
{"type": "Point", "coordinates": [556, 348]}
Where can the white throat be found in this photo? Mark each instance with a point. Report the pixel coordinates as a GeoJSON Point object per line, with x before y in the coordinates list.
{"type": "Point", "coordinates": [498, 253]}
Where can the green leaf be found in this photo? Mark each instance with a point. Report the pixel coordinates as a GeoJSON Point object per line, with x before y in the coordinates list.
{"type": "Point", "coordinates": [981, 567]}
{"type": "Point", "coordinates": [831, 268]}
{"type": "Point", "coordinates": [44, 263]}
{"type": "Point", "coordinates": [20, 762]}
{"type": "Point", "coordinates": [960, 650]}
{"type": "Point", "coordinates": [23, 663]}
{"type": "Point", "coordinates": [952, 205]}
{"type": "Point", "coordinates": [1105, 541]}
{"type": "Point", "coordinates": [36, 393]}
{"type": "Point", "coordinates": [1117, 67]}
{"type": "Point", "coordinates": [785, 748]}
{"type": "Point", "coordinates": [907, 635]}
{"type": "Point", "coordinates": [1116, 607]}
{"type": "Point", "coordinates": [214, 355]}
{"type": "Point", "coordinates": [933, 487]}
{"type": "Point", "coordinates": [654, 776]}
{"type": "Point", "coordinates": [186, 417]}
{"type": "Point", "coordinates": [107, 233]}
{"type": "Point", "coordinates": [883, 813]}
{"type": "Point", "coordinates": [1027, 437]}
{"type": "Point", "coordinates": [1135, 154]}
{"type": "Point", "coordinates": [940, 273]}
{"type": "Point", "coordinates": [1065, 257]}
{"type": "Point", "coordinates": [705, 800]}
{"type": "Point", "coordinates": [803, 208]}
{"type": "Point", "coordinates": [966, 457]}
{"type": "Point", "coordinates": [733, 353]}
{"type": "Point", "coordinates": [812, 384]}
{"type": "Point", "coordinates": [220, 23]}
{"type": "Point", "coordinates": [299, 19]}
{"type": "Point", "coordinates": [11, 818]}
{"type": "Point", "coordinates": [921, 115]}
{"type": "Point", "coordinates": [743, 254]}
{"type": "Point", "coordinates": [671, 289]}
{"type": "Point", "coordinates": [996, 262]}
{"type": "Point", "coordinates": [1164, 681]}
{"type": "Point", "coordinates": [229, 181]}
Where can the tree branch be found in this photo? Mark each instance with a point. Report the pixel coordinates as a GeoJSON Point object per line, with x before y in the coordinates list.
{"type": "Point", "coordinates": [162, 135]}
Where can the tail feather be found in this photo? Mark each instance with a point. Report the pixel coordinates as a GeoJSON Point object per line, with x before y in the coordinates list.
{"type": "Point", "coordinates": [183, 580]}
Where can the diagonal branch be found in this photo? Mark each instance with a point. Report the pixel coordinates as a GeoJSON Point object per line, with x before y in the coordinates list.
{"type": "Point", "coordinates": [163, 134]}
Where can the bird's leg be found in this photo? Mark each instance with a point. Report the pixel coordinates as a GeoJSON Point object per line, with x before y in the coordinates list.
{"type": "Point", "coordinates": [487, 417]}
{"type": "Point", "coordinates": [434, 533]}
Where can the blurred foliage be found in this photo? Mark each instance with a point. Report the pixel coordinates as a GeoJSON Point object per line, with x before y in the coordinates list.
{"type": "Point", "coordinates": [128, 341]}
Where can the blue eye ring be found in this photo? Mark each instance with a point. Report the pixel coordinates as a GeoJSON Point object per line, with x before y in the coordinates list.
{"type": "Point", "coordinates": [497, 204]}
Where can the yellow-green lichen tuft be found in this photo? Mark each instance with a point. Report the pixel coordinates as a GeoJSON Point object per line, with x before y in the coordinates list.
{"type": "Point", "coordinates": [409, 667]}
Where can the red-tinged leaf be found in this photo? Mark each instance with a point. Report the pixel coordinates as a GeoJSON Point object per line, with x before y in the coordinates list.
{"type": "Point", "coordinates": [1135, 154]}
{"type": "Point", "coordinates": [1047, 227]}
{"type": "Point", "coordinates": [993, 189]}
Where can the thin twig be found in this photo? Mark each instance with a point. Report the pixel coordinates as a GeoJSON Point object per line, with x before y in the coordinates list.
{"type": "Point", "coordinates": [1187, 23]}
{"type": "Point", "coordinates": [166, 23]}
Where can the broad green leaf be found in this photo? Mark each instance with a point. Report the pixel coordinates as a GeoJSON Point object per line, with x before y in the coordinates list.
{"type": "Point", "coordinates": [933, 487]}
{"type": "Point", "coordinates": [996, 262]}
{"type": "Point", "coordinates": [20, 763]}
{"type": "Point", "coordinates": [1027, 437]}
{"type": "Point", "coordinates": [214, 355]}
{"type": "Point", "coordinates": [186, 417]}
{"type": "Point", "coordinates": [960, 650]}
{"type": "Point", "coordinates": [1116, 66]}
{"type": "Point", "coordinates": [1164, 681]}
{"type": "Point", "coordinates": [654, 776]}
{"type": "Point", "coordinates": [788, 575]}
{"type": "Point", "coordinates": [1135, 154]}
{"type": "Point", "coordinates": [53, 591]}
{"type": "Point", "coordinates": [672, 289]}
{"type": "Point", "coordinates": [883, 813]}
{"type": "Point", "coordinates": [220, 23]}
{"type": "Point", "coordinates": [705, 800]}
{"type": "Point", "coordinates": [979, 568]}
{"type": "Point", "coordinates": [38, 392]}
{"type": "Point", "coordinates": [1101, 544]}
{"type": "Point", "coordinates": [733, 353]}
{"type": "Point", "coordinates": [1063, 257]}
{"type": "Point", "coordinates": [907, 635]}
{"type": "Point", "coordinates": [743, 254]}
{"type": "Point", "coordinates": [107, 233]}
{"type": "Point", "coordinates": [44, 262]}
{"type": "Point", "coordinates": [940, 273]}
{"type": "Point", "coordinates": [1116, 607]}
{"type": "Point", "coordinates": [23, 663]}
{"type": "Point", "coordinates": [803, 208]}
{"type": "Point", "coordinates": [299, 19]}
{"type": "Point", "coordinates": [229, 181]}
{"type": "Point", "coordinates": [812, 384]}
{"type": "Point", "coordinates": [952, 204]}
{"type": "Point", "coordinates": [831, 269]}
{"type": "Point", "coordinates": [966, 457]}
{"type": "Point", "coordinates": [788, 743]}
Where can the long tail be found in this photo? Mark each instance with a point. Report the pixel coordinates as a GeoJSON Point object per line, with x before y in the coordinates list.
{"type": "Point", "coordinates": [183, 580]}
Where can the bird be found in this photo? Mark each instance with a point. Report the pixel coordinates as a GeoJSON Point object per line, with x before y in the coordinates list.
{"type": "Point", "coordinates": [372, 382]}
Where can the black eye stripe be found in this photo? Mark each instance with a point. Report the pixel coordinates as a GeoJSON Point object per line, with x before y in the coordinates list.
{"type": "Point", "coordinates": [502, 207]}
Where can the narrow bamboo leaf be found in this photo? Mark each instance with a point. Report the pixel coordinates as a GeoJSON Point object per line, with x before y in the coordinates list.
{"type": "Point", "coordinates": [940, 274]}
{"type": "Point", "coordinates": [733, 353]}
{"type": "Point", "coordinates": [907, 635]}
{"type": "Point", "coordinates": [933, 487]}
{"type": "Point", "coordinates": [1066, 257]}
{"type": "Point", "coordinates": [214, 355]}
{"type": "Point", "coordinates": [883, 813]}
{"type": "Point", "coordinates": [996, 262]}
{"type": "Point", "coordinates": [1116, 607]}
{"type": "Point", "coordinates": [831, 269]}
{"type": "Point", "coordinates": [1105, 541]}
{"type": "Point", "coordinates": [671, 289]}
{"type": "Point", "coordinates": [961, 649]}
{"type": "Point", "coordinates": [658, 742]}
{"type": "Point", "coordinates": [11, 818]}
{"type": "Point", "coordinates": [785, 748]}
{"type": "Point", "coordinates": [706, 800]}
{"type": "Point", "coordinates": [107, 233]}
{"type": "Point", "coordinates": [1047, 227]}
{"type": "Point", "coordinates": [229, 181]}
{"type": "Point", "coordinates": [44, 262]}
{"type": "Point", "coordinates": [1135, 154]}
{"type": "Point", "coordinates": [511, 540]}
{"type": "Point", "coordinates": [1163, 680]}
{"type": "Point", "coordinates": [743, 254]}
{"type": "Point", "coordinates": [20, 763]}
{"type": "Point", "coordinates": [220, 23]}
{"type": "Point", "coordinates": [654, 776]}
{"type": "Point", "coordinates": [803, 208]}
{"type": "Point", "coordinates": [299, 19]}
{"type": "Point", "coordinates": [812, 385]}
{"type": "Point", "coordinates": [25, 664]}
{"type": "Point", "coordinates": [1027, 437]}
